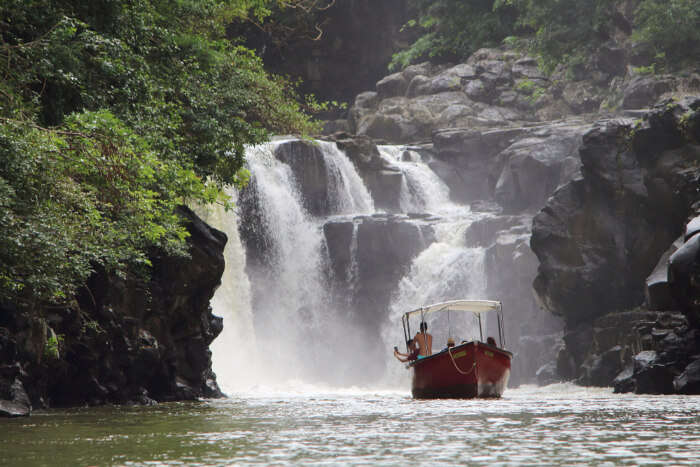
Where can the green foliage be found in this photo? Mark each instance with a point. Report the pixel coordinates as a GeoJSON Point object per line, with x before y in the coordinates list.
{"type": "Point", "coordinates": [112, 113]}
{"type": "Point", "coordinates": [671, 27]}
{"type": "Point", "coordinates": [557, 31]}
{"type": "Point", "coordinates": [526, 86]}
{"type": "Point", "coordinates": [453, 29]}
{"type": "Point", "coordinates": [564, 30]}
{"type": "Point", "coordinates": [53, 345]}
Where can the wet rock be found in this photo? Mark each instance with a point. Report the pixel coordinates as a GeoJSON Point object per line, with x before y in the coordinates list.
{"type": "Point", "coordinates": [692, 228]}
{"type": "Point", "coordinates": [643, 91]}
{"type": "Point", "coordinates": [339, 241]}
{"type": "Point", "coordinates": [658, 290]}
{"type": "Point", "coordinates": [14, 401]}
{"type": "Point", "coordinates": [600, 370]}
{"type": "Point", "coordinates": [688, 382]}
{"type": "Point", "coordinates": [125, 333]}
{"type": "Point", "coordinates": [308, 165]}
{"type": "Point", "coordinates": [534, 167]}
{"type": "Point", "coordinates": [385, 249]}
{"type": "Point", "coordinates": [392, 86]}
{"type": "Point", "coordinates": [598, 237]}
{"type": "Point", "coordinates": [650, 376]}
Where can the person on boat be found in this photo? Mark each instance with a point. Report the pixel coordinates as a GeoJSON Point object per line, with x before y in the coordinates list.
{"type": "Point", "coordinates": [450, 342]}
{"type": "Point", "coordinates": [424, 341]}
{"type": "Point", "coordinates": [407, 357]}
{"type": "Point", "coordinates": [491, 341]}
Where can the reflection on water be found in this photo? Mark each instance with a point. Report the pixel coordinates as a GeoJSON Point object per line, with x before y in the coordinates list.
{"type": "Point", "coordinates": [555, 425]}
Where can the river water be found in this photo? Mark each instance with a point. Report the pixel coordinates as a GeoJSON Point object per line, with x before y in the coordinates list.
{"type": "Point", "coordinates": [553, 425]}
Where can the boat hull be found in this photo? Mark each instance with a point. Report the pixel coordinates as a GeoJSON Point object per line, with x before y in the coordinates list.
{"type": "Point", "coordinates": [469, 370]}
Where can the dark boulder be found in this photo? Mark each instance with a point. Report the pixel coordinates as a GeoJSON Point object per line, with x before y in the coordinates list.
{"type": "Point", "coordinates": [392, 86]}
{"type": "Point", "coordinates": [133, 338]}
{"type": "Point", "coordinates": [599, 237]}
{"type": "Point", "coordinates": [688, 382]}
{"type": "Point", "coordinates": [658, 290]}
{"type": "Point", "coordinates": [535, 166]}
{"type": "Point", "coordinates": [644, 91]}
{"type": "Point", "coordinates": [14, 401]}
{"type": "Point", "coordinates": [339, 240]}
{"type": "Point", "coordinates": [385, 249]}
{"type": "Point", "coordinates": [308, 165]}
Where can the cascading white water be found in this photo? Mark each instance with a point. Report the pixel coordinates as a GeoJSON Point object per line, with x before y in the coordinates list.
{"type": "Point", "coordinates": [446, 270]}
{"type": "Point", "coordinates": [233, 352]}
{"type": "Point", "coordinates": [348, 194]}
{"type": "Point", "coordinates": [292, 330]}
{"type": "Point", "coordinates": [422, 190]}
{"type": "Point", "coordinates": [294, 323]}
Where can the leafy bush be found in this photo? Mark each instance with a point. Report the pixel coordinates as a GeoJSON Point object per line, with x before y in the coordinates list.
{"type": "Point", "coordinates": [112, 113]}
{"type": "Point", "coordinates": [671, 27]}
{"type": "Point", "coordinates": [558, 31]}
{"type": "Point", "coordinates": [454, 29]}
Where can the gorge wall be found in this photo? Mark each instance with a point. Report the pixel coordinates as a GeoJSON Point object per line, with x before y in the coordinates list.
{"type": "Point", "coordinates": [129, 339]}
{"type": "Point", "coordinates": [617, 258]}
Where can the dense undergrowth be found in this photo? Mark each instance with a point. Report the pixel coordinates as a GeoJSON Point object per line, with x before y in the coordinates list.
{"type": "Point", "coordinates": [557, 31]}
{"type": "Point", "coordinates": [113, 112]}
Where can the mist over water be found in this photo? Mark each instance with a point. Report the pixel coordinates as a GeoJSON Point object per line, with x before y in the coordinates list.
{"type": "Point", "coordinates": [293, 331]}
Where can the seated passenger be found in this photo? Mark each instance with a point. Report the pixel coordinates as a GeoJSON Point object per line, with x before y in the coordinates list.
{"type": "Point", "coordinates": [491, 341]}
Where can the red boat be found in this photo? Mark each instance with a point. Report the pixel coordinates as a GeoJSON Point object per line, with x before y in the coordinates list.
{"type": "Point", "coordinates": [473, 368]}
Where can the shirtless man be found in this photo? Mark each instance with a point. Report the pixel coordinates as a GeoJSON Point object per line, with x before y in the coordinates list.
{"type": "Point", "coordinates": [424, 341]}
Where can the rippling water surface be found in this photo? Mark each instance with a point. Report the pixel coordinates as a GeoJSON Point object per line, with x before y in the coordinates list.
{"type": "Point", "coordinates": [554, 425]}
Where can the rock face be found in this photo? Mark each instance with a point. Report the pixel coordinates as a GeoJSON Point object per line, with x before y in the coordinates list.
{"type": "Point", "coordinates": [127, 340]}
{"type": "Point", "coordinates": [598, 237]}
{"type": "Point", "coordinates": [499, 88]}
{"type": "Point", "coordinates": [347, 54]}
{"type": "Point", "coordinates": [609, 238]}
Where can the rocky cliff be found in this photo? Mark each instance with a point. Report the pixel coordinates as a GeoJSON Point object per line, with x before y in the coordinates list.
{"type": "Point", "coordinates": [135, 339]}
{"type": "Point", "coordinates": [617, 255]}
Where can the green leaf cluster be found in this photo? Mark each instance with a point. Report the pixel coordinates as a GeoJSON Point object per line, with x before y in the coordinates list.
{"type": "Point", "coordinates": [112, 113]}
{"type": "Point", "coordinates": [558, 31]}
{"type": "Point", "coordinates": [454, 29]}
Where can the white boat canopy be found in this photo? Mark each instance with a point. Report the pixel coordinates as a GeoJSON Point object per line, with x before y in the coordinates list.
{"type": "Point", "coordinates": [473, 306]}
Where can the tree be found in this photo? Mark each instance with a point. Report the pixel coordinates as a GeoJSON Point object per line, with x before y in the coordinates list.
{"type": "Point", "coordinates": [113, 112]}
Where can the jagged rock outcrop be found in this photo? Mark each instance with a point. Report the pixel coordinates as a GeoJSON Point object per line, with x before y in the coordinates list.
{"type": "Point", "coordinates": [599, 236]}
{"type": "Point", "coordinates": [599, 240]}
{"type": "Point", "coordinates": [499, 88]}
{"type": "Point", "coordinates": [130, 339]}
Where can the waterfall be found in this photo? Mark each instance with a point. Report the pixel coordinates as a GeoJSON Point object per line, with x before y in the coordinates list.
{"type": "Point", "coordinates": [233, 351]}
{"type": "Point", "coordinates": [296, 332]}
{"type": "Point", "coordinates": [446, 270]}
{"type": "Point", "coordinates": [422, 190]}
{"type": "Point", "coordinates": [281, 321]}
{"type": "Point", "coordinates": [348, 194]}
